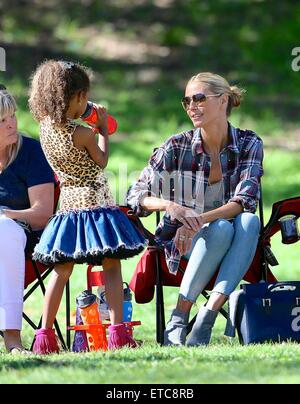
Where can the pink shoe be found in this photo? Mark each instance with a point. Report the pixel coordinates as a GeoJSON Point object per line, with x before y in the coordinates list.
{"type": "Point", "coordinates": [45, 342]}
{"type": "Point", "coordinates": [119, 337]}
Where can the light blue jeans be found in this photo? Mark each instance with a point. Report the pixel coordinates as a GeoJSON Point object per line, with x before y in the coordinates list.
{"type": "Point", "coordinates": [228, 245]}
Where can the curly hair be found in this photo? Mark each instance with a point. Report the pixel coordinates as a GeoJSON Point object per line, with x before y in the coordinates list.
{"type": "Point", "coordinates": [53, 85]}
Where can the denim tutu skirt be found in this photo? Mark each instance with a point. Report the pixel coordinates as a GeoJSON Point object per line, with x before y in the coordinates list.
{"type": "Point", "coordinates": [88, 236]}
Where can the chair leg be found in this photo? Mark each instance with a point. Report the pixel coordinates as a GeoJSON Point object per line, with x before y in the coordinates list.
{"type": "Point", "coordinates": [68, 315]}
{"type": "Point", "coordinates": [160, 310]}
{"type": "Point", "coordinates": [57, 329]}
{"type": "Point", "coordinates": [40, 281]}
{"type": "Point", "coordinates": [30, 322]}
{"type": "Point", "coordinates": [192, 322]}
{"type": "Point", "coordinates": [36, 285]}
{"type": "Point", "coordinates": [60, 336]}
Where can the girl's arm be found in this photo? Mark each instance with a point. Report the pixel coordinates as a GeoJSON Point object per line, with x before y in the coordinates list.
{"type": "Point", "coordinates": [85, 139]}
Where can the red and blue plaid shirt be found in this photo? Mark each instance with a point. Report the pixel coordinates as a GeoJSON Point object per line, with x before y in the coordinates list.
{"type": "Point", "coordinates": [241, 162]}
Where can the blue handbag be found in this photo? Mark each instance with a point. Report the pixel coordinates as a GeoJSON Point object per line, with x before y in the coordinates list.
{"type": "Point", "coordinates": [269, 312]}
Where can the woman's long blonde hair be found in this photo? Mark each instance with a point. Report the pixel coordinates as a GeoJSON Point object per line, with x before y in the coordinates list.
{"type": "Point", "coordinates": [8, 106]}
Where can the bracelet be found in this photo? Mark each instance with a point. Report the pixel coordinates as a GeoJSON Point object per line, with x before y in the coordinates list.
{"type": "Point", "coordinates": [2, 213]}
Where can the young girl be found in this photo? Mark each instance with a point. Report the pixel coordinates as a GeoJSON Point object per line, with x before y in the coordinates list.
{"type": "Point", "coordinates": [89, 228]}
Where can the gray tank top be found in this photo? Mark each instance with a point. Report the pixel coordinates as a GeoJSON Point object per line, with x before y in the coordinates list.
{"type": "Point", "coordinates": [214, 196]}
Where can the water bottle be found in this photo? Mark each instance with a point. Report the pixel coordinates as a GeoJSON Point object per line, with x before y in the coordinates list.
{"type": "Point", "coordinates": [127, 304]}
{"type": "Point", "coordinates": [90, 117]}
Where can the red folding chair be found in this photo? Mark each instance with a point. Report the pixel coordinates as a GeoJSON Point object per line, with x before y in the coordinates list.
{"type": "Point", "coordinates": [157, 275]}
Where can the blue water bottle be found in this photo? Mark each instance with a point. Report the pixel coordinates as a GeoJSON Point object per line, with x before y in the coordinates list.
{"type": "Point", "coordinates": [127, 304]}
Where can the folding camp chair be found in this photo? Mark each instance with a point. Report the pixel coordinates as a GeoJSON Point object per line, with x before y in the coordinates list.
{"type": "Point", "coordinates": [258, 270]}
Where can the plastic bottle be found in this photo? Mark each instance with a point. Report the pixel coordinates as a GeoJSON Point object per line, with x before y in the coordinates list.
{"type": "Point", "coordinates": [90, 117]}
{"type": "Point", "coordinates": [96, 336]}
{"type": "Point", "coordinates": [127, 304]}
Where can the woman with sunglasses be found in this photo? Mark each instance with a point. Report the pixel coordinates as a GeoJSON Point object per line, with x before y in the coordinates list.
{"type": "Point", "coordinates": [214, 226]}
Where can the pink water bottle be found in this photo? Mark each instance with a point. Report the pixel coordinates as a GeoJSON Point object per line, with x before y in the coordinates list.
{"type": "Point", "coordinates": [90, 117]}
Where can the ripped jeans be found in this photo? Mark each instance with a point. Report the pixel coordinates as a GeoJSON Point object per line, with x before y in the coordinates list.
{"type": "Point", "coordinates": [228, 245]}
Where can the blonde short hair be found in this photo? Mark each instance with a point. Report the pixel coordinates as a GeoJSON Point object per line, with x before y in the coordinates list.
{"type": "Point", "coordinates": [8, 106]}
{"type": "Point", "coordinates": [218, 85]}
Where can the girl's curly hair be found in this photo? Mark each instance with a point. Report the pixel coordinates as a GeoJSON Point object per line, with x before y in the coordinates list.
{"type": "Point", "coordinates": [53, 85]}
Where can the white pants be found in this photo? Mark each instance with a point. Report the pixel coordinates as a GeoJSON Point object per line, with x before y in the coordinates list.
{"type": "Point", "coordinates": [12, 274]}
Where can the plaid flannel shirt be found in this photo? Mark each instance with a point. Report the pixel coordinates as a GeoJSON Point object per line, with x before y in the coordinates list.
{"type": "Point", "coordinates": [241, 162]}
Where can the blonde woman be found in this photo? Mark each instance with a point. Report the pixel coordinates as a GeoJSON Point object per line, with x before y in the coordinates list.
{"type": "Point", "coordinates": [26, 203]}
{"type": "Point", "coordinates": [220, 229]}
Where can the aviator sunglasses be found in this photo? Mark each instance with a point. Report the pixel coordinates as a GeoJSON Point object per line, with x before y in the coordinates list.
{"type": "Point", "coordinates": [197, 99]}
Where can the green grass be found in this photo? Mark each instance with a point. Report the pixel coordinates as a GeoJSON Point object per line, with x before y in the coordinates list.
{"type": "Point", "coordinates": [219, 363]}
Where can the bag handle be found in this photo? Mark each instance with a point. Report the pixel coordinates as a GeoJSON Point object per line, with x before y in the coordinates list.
{"type": "Point", "coordinates": [281, 285]}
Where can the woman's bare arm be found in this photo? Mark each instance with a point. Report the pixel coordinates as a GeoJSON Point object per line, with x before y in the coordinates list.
{"type": "Point", "coordinates": [41, 199]}
{"type": "Point", "coordinates": [228, 211]}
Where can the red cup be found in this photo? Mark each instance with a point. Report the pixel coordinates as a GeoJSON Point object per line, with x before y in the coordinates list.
{"type": "Point", "coordinates": [90, 117]}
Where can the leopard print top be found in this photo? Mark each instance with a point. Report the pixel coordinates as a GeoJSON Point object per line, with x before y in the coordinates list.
{"type": "Point", "coordinates": [83, 183]}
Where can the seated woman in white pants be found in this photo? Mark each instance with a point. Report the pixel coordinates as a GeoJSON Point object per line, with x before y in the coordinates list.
{"type": "Point", "coordinates": [26, 203]}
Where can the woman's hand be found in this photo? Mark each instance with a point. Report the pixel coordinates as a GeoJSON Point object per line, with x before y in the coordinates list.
{"type": "Point", "coordinates": [188, 217]}
{"type": "Point", "coordinates": [183, 239]}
